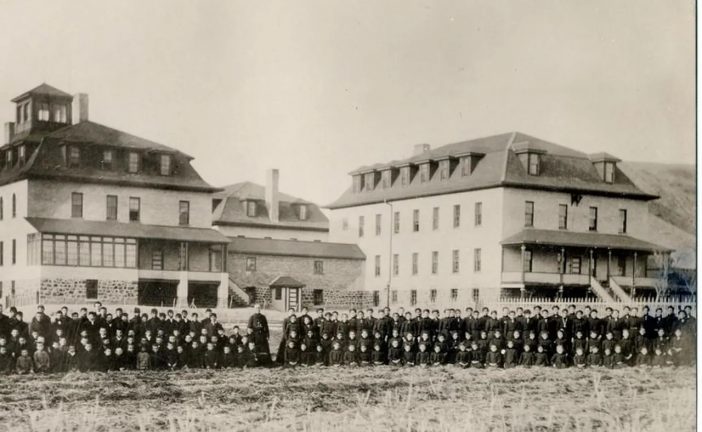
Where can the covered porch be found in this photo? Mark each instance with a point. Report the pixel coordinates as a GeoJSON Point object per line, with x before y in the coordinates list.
{"type": "Point", "coordinates": [557, 263]}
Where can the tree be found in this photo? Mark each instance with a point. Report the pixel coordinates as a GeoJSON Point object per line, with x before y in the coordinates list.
{"type": "Point", "coordinates": [663, 263]}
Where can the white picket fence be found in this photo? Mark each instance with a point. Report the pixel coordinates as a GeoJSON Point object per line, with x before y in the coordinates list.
{"type": "Point", "coordinates": [678, 303]}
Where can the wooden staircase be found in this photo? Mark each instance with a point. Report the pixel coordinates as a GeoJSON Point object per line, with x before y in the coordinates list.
{"type": "Point", "coordinates": [602, 292]}
{"type": "Point", "coordinates": [237, 296]}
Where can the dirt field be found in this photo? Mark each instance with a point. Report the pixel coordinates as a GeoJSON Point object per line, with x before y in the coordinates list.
{"type": "Point", "coordinates": [439, 399]}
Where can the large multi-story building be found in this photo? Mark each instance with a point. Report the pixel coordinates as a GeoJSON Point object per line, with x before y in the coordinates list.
{"type": "Point", "coordinates": [278, 253]}
{"type": "Point", "coordinates": [89, 212]}
{"type": "Point", "coordinates": [506, 215]}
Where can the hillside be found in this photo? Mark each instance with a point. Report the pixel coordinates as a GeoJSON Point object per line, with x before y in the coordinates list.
{"type": "Point", "coordinates": [673, 215]}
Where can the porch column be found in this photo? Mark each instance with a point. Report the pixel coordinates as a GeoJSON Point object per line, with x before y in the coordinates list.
{"type": "Point", "coordinates": [609, 262]}
{"type": "Point", "coordinates": [589, 264]}
{"type": "Point", "coordinates": [223, 291]}
{"type": "Point", "coordinates": [182, 290]}
{"type": "Point", "coordinates": [561, 267]}
{"type": "Point", "coordinates": [633, 276]}
{"type": "Point", "coordinates": [523, 248]}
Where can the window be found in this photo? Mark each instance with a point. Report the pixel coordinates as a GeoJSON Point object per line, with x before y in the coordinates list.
{"type": "Point", "coordinates": [415, 220]}
{"type": "Point", "coordinates": [424, 172]}
{"type": "Point", "coordinates": [2, 253]}
{"type": "Point", "coordinates": [465, 166]}
{"type": "Point", "coordinates": [184, 213]}
{"type": "Point", "coordinates": [111, 207]}
{"type": "Point", "coordinates": [76, 205]}
{"type": "Point", "coordinates": [533, 164]}
{"type": "Point", "coordinates": [528, 261]}
{"type": "Point", "coordinates": [434, 262]}
{"type": "Point", "coordinates": [396, 223]}
{"type": "Point", "coordinates": [43, 112]}
{"type": "Point", "coordinates": [8, 158]}
{"type": "Point", "coordinates": [108, 252]}
{"type": "Point", "coordinates": [73, 156]}
{"type": "Point", "coordinates": [562, 216]}
{"type": "Point", "coordinates": [319, 267]}
{"type": "Point", "coordinates": [454, 294]}
{"type": "Point", "coordinates": [251, 208]}
{"type": "Point", "coordinates": [378, 224]}
{"type": "Point", "coordinates": [529, 214]}
{"type": "Point", "coordinates": [477, 260]}
{"type": "Point", "coordinates": [456, 215]}
{"type": "Point", "coordinates": [478, 214]}
{"type": "Point", "coordinates": [14, 251]}
{"type": "Point", "coordinates": [165, 167]}
{"type": "Point", "coordinates": [107, 159]}
{"type": "Point", "coordinates": [622, 221]}
{"type": "Point", "coordinates": [25, 112]}
{"type": "Point", "coordinates": [368, 182]}
{"type": "Point", "coordinates": [60, 114]}
{"type": "Point", "coordinates": [574, 265]}
{"type": "Point", "coordinates": [361, 221]}
{"type": "Point", "coordinates": [393, 296]}
{"type": "Point", "coordinates": [318, 297]}
{"type": "Point", "coordinates": [357, 183]}
{"type": "Point", "coordinates": [250, 264]}
{"type": "Point", "coordinates": [216, 258]}
{"type": "Point", "coordinates": [609, 172]}
{"type": "Point", "coordinates": [22, 154]}
{"type": "Point", "coordinates": [476, 295]}
{"type": "Point", "coordinates": [395, 264]}
{"type": "Point", "coordinates": [386, 178]}
{"type": "Point", "coordinates": [415, 263]}
{"type": "Point", "coordinates": [134, 209]}
{"type": "Point", "coordinates": [133, 162]}
{"type": "Point", "coordinates": [376, 298]}
{"type": "Point", "coordinates": [278, 293]}
{"type": "Point", "coordinates": [302, 212]}
{"type": "Point", "coordinates": [72, 251]}
{"type": "Point", "coordinates": [432, 295]}
{"type": "Point", "coordinates": [345, 224]}
{"type": "Point", "coordinates": [405, 175]}
{"type": "Point", "coordinates": [413, 297]}
{"type": "Point", "coordinates": [455, 261]}
{"type": "Point", "coordinates": [157, 260]}
{"type": "Point", "coordinates": [444, 169]}
{"type": "Point", "coordinates": [91, 289]}
{"type": "Point", "coordinates": [2, 209]}
{"type": "Point", "coordinates": [593, 219]}
{"type": "Point", "coordinates": [435, 218]}
{"type": "Point", "coordinates": [377, 265]}
{"type": "Point", "coordinates": [14, 205]}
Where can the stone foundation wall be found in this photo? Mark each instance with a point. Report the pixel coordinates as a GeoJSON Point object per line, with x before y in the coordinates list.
{"type": "Point", "coordinates": [74, 291]}
{"type": "Point", "coordinates": [338, 299]}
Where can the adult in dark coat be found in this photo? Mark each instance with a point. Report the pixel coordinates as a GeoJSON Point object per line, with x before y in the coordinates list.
{"type": "Point", "coordinates": [259, 324]}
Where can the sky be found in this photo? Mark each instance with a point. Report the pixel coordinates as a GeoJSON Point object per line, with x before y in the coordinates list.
{"type": "Point", "coordinates": [318, 88]}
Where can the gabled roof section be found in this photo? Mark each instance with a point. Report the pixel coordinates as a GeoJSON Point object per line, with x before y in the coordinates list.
{"type": "Point", "coordinates": [561, 169]}
{"type": "Point", "coordinates": [531, 236]}
{"type": "Point", "coordinates": [43, 90]}
{"type": "Point", "coordinates": [232, 210]}
{"type": "Point", "coordinates": [286, 282]}
{"type": "Point", "coordinates": [310, 249]}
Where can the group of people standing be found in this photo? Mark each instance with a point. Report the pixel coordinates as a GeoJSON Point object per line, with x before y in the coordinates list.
{"type": "Point", "coordinates": [96, 340]}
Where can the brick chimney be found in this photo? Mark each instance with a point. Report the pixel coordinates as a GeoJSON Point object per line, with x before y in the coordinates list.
{"type": "Point", "coordinates": [272, 194]}
{"type": "Point", "coordinates": [9, 132]}
{"type": "Point", "coordinates": [420, 148]}
{"type": "Point", "coordinates": [80, 108]}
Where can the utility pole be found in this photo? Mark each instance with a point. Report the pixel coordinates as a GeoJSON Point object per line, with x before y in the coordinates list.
{"type": "Point", "coordinates": [390, 256]}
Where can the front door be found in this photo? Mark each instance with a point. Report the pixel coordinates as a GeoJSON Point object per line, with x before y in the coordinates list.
{"type": "Point", "coordinates": [293, 298]}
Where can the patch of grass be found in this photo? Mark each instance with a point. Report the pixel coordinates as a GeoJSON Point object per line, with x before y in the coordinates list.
{"type": "Point", "coordinates": [368, 399]}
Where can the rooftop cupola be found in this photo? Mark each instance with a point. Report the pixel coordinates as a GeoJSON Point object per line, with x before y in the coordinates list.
{"type": "Point", "coordinates": [44, 108]}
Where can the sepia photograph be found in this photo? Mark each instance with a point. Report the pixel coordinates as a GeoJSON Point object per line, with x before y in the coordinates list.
{"type": "Point", "coordinates": [346, 216]}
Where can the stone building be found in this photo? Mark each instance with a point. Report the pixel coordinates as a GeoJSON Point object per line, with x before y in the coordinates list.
{"type": "Point", "coordinates": [506, 215]}
{"type": "Point", "coordinates": [88, 212]}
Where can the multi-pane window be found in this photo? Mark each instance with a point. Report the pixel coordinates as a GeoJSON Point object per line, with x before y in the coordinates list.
{"type": "Point", "coordinates": [91, 289]}
{"type": "Point", "coordinates": [415, 220]}
{"type": "Point", "coordinates": [456, 215]}
{"type": "Point", "coordinates": [432, 295]}
{"type": "Point", "coordinates": [434, 262]}
{"type": "Point", "coordinates": [111, 207]}
{"type": "Point", "coordinates": [302, 212]}
{"type": "Point", "coordinates": [529, 214]}
{"type": "Point", "coordinates": [318, 297]}
{"type": "Point", "coordinates": [107, 158]}
{"type": "Point", "coordinates": [455, 261]}
{"type": "Point", "coordinates": [361, 221]}
{"type": "Point", "coordinates": [43, 111]}
{"type": "Point", "coordinates": [134, 209]}
{"type": "Point", "coordinates": [319, 267]}
{"type": "Point", "coordinates": [395, 264]}
{"type": "Point", "coordinates": [415, 263]}
{"type": "Point", "coordinates": [592, 226]}
{"type": "Point", "coordinates": [60, 114]}
{"type": "Point", "coordinates": [477, 259]}
{"type": "Point", "coordinates": [393, 296]}
{"type": "Point", "coordinates": [21, 154]}
{"type": "Point", "coordinates": [165, 167]}
{"type": "Point", "coordinates": [435, 218]}
{"type": "Point", "coordinates": [376, 298]}
{"type": "Point", "coordinates": [377, 265]}
{"type": "Point", "coordinates": [73, 156]}
{"type": "Point", "coordinates": [84, 251]}
{"type": "Point", "coordinates": [157, 260]}
{"type": "Point", "coordinates": [413, 297]}
{"type": "Point", "coordinates": [8, 158]}
{"type": "Point", "coordinates": [251, 208]}
{"type": "Point", "coordinates": [424, 172]}
{"type": "Point", "coordinates": [250, 264]}
{"type": "Point", "coordinates": [454, 294]}
{"type": "Point", "coordinates": [562, 216]}
{"type": "Point", "coordinates": [378, 224]}
{"type": "Point", "coordinates": [369, 181]}
{"type": "Point", "coordinates": [528, 259]}
{"type": "Point", "coordinates": [476, 295]}
{"type": "Point", "coordinates": [184, 213]}
{"type": "Point", "coordinates": [622, 221]}
{"type": "Point", "coordinates": [386, 178]}
{"type": "Point", "coordinates": [478, 214]}
{"type": "Point", "coordinates": [396, 223]}
{"type": "Point", "coordinates": [444, 169]}
{"type": "Point", "coordinates": [405, 175]}
{"type": "Point", "coordinates": [77, 205]}
{"type": "Point", "coordinates": [609, 172]}
{"type": "Point", "coordinates": [133, 162]}
{"type": "Point", "coordinates": [534, 163]}
{"type": "Point", "coordinates": [574, 265]}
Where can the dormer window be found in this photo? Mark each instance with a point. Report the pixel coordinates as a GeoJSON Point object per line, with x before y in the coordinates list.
{"type": "Point", "coordinates": [43, 112]}
{"type": "Point", "coordinates": [386, 179]}
{"type": "Point", "coordinates": [444, 169]}
{"type": "Point", "coordinates": [23, 113]}
{"type": "Point", "coordinates": [534, 163]}
{"type": "Point", "coordinates": [357, 183]}
{"type": "Point", "coordinates": [368, 181]}
{"type": "Point", "coordinates": [73, 157]}
{"type": "Point", "coordinates": [133, 162]}
{"type": "Point", "coordinates": [107, 157]}
{"type": "Point", "coordinates": [21, 154]}
{"type": "Point", "coordinates": [165, 165]}
{"type": "Point", "coordinates": [609, 172]}
{"type": "Point", "coordinates": [60, 114]}
{"type": "Point", "coordinates": [251, 208]}
{"type": "Point", "coordinates": [302, 212]}
{"type": "Point", "coordinates": [405, 176]}
{"type": "Point", "coordinates": [424, 172]}
{"type": "Point", "coordinates": [8, 158]}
